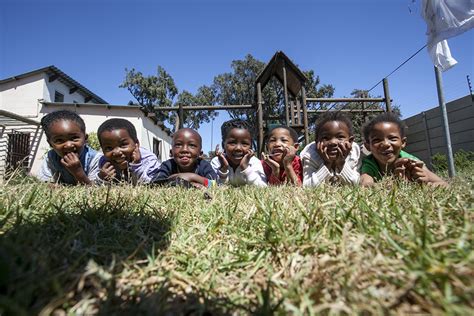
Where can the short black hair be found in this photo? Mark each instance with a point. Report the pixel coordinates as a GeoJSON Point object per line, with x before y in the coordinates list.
{"type": "Point", "coordinates": [384, 117]}
{"type": "Point", "coordinates": [189, 130]}
{"type": "Point", "coordinates": [293, 133]}
{"type": "Point", "coordinates": [61, 115]}
{"type": "Point", "coordinates": [330, 117]}
{"type": "Point", "coordinates": [231, 124]}
{"type": "Point", "coordinates": [118, 123]}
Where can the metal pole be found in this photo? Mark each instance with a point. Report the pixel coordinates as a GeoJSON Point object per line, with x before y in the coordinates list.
{"type": "Point", "coordinates": [447, 135]}
{"type": "Point", "coordinates": [305, 115]}
{"type": "Point", "coordinates": [259, 119]}
{"type": "Point", "coordinates": [428, 140]}
{"type": "Point", "coordinates": [286, 95]}
{"type": "Point", "coordinates": [386, 92]}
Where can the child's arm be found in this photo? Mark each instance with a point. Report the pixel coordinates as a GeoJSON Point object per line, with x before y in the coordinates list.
{"type": "Point", "coordinates": [145, 167]}
{"type": "Point", "coordinates": [288, 158]}
{"type": "Point", "coordinates": [366, 180]}
{"type": "Point", "coordinates": [72, 163]}
{"type": "Point", "coordinates": [421, 174]}
{"type": "Point", "coordinates": [46, 173]}
{"type": "Point", "coordinates": [193, 178]}
{"type": "Point", "coordinates": [107, 172]}
{"type": "Point", "coordinates": [350, 156]}
{"type": "Point", "coordinates": [252, 170]}
{"type": "Point", "coordinates": [220, 165]}
{"type": "Point", "coordinates": [315, 170]}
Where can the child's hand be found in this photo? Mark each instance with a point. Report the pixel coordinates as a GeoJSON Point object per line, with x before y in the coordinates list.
{"type": "Point", "coordinates": [107, 172]}
{"type": "Point", "coordinates": [244, 163]}
{"type": "Point", "coordinates": [322, 152]}
{"type": "Point", "coordinates": [136, 157]}
{"type": "Point", "coordinates": [72, 163]}
{"type": "Point", "coordinates": [344, 149]}
{"type": "Point", "coordinates": [418, 172]}
{"type": "Point", "coordinates": [222, 160]}
{"type": "Point", "coordinates": [275, 166]}
{"type": "Point", "coordinates": [289, 153]}
{"type": "Point", "coordinates": [402, 169]}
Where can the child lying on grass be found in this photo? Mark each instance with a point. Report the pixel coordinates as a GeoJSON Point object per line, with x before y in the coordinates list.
{"type": "Point", "coordinates": [70, 161]}
{"type": "Point", "coordinates": [281, 164]}
{"type": "Point", "coordinates": [124, 159]}
{"type": "Point", "coordinates": [333, 157]}
{"type": "Point", "coordinates": [186, 163]}
{"type": "Point", "coordinates": [385, 137]}
{"type": "Point", "coordinates": [237, 165]}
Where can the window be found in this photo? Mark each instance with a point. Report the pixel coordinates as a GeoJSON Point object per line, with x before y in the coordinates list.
{"type": "Point", "coordinates": [18, 150]}
{"type": "Point", "coordinates": [156, 147]}
{"type": "Point", "coordinates": [58, 97]}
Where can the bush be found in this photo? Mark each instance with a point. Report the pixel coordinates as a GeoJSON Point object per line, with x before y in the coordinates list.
{"type": "Point", "coordinates": [463, 160]}
{"type": "Point", "coordinates": [93, 141]}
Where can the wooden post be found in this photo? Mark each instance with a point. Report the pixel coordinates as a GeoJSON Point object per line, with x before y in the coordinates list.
{"type": "Point", "coordinates": [388, 102]}
{"type": "Point", "coordinates": [259, 120]}
{"type": "Point", "coordinates": [181, 116]}
{"type": "Point", "coordinates": [305, 115]}
{"type": "Point", "coordinates": [285, 89]}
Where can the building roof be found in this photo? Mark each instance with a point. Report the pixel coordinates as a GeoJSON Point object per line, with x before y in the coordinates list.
{"type": "Point", "coordinates": [55, 73]}
{"type": "Point", "coordinates": [294, 77]}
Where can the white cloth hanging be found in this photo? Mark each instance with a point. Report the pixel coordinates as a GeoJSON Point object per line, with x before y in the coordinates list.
{"type": "Point", "coordinates": [445, 19]}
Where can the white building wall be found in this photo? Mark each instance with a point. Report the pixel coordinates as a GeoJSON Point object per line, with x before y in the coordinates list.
{"type": "Point", "coordinates": [57, 85]}
{"type": "Point", "coordinates": [21, 96]}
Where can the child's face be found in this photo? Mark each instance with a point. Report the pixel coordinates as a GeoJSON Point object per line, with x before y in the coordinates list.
{"type": "Point", "coordinates": [66, 136]}
{"type": "Point", "coordinates": [118, 146]}
{"type": "Point", "coordinates": [236, 145]}
{"type": "Point", "coordinates": [385, 143]}
{"type": "Point", "coordinates": [277, 141]}
{"type": "Point", "coordinates": [333, 133]}
{"type": "Point", "coordinates": [186, 150]}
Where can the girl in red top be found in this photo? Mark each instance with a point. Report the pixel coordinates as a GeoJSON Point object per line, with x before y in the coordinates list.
{"type": "Point", "coordinates": [281, 164]}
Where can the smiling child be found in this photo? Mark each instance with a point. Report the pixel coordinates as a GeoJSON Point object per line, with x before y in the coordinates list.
{"type": "Point", "coordinates": [186, 162]}
{"type": "Point", "coordinates": [237, 165]}
{"type": "Point", "coordinates": [333, 157]}
{"type": "Point", "coordinates": [70, 161]}
{"type": "Point", "coordinates": [124, 159]}
{"type": "Point", "coordinates": [385, 137]}
{"type": "Point", "coordinates": [281, 164]}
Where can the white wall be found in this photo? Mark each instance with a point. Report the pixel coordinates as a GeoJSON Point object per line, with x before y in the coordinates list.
{"type": "Point", "coordinates": [57, 85]}
{"type": "Point", "coordinates": [21, 96]}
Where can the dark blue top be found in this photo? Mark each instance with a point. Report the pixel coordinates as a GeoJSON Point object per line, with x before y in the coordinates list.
{"type": "Point", "coordinates": [169, 167]}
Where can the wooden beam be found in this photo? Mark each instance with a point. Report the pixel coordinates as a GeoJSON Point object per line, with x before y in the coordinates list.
{"type": "Point", "coordinates": [72, 90]}
{"type": "Point", "coordinates": [87, 99]}
{"type": "Point", "coordinates": [53, 77]}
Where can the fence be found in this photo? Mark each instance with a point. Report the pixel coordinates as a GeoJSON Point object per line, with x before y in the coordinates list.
{"type": "Point", "coordinates": [425, 130]}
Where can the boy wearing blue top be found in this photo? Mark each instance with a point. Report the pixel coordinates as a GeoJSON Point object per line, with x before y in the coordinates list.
{"type": "Point", "coordinates": [70, 161]}
{"type": "Point", "coordinates": [385, 137]}
{"type": "Point", "coordinates": [186, 162]}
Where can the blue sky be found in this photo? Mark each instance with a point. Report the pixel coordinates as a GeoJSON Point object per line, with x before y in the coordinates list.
{"type": "Point", "coordinates": [349, 44]}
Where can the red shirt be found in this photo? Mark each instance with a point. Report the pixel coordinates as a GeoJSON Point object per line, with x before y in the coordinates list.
{"type": "Point", "coordinates": [272, 180]}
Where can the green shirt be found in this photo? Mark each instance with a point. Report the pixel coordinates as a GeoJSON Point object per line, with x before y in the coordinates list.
{"type": "Point", "coordinates": [371, 167]}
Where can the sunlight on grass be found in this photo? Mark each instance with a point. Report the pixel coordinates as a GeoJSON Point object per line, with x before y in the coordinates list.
{"type": "Point", "coordinates": [390, 249]}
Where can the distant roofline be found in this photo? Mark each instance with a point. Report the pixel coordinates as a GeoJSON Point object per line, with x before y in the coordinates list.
{"type": "Point", "coordinates": [160, 124]}
{"type": "Point", "coordinates": [53, 70]}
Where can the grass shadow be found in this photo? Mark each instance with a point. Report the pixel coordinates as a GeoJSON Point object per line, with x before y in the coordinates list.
{"type": "Point", "coordinates": [44, 257]}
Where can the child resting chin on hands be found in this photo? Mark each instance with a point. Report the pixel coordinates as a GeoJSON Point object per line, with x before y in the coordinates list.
{"type": "Point", "coordinates": [334, 157]}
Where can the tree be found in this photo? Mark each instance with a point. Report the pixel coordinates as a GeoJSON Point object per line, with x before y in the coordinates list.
{"type": "Point", "coordinates": [358, 118]}
{"type": "Point", "coordinates": [238, 87]}
{"type": "Point", "coordinates": [160, 90]}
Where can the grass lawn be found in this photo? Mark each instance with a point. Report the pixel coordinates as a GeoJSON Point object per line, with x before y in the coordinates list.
{"type": "Point", "coordinates": [391, 249]}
